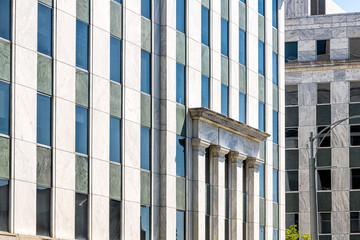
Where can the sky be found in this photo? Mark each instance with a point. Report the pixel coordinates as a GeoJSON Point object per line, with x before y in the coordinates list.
{"type": "Point", "coordinates": [349, 5]}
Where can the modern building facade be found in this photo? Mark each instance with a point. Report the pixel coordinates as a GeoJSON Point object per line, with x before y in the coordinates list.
{"type": "Point", "coordinates": [322, 87]}
{"type": "Point", "coordinates": [142, 119]}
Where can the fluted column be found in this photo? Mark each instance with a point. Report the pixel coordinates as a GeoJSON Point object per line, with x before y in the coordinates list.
{"type": "Point", "coordinates": [252, 179]}
{"type": "Point", "coordinates": [198, 189]}
{"type": "Point", "coordinates": [236, 194]}
{"type": "Point", "coordinates": [218, 191]}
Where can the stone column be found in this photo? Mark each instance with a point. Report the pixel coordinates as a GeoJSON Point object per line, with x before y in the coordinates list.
{"type": "Point", "coordinates": [197, 204]}
{"type": "Point", "coordinates": [236, 194]}
{"type": "Point", "coordinates": [217, 181]}
{"type": "Point", "coordinates": [252, 197]}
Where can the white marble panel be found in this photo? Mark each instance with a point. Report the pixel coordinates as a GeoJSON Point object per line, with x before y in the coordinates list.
{"type": "Point", "coordinates": [65, 170]}
{"type": "Point", "coordinates": [101, 95]}
{"type": "Point", "coordinates": [65, 125]}
{"type": "Point", "coordinates": [169, 79]}
{"type": "Point", "coordinates": [26, 23]}
{"type": "Point", "coordinates": [134, 6]}
{"type": "Point", "coordinates": [100, 178]}
{"type": "Point", "coordinates": [132, 141]}
{"type": "Point", "coordinates": [307, 94]}
{"type": "Point", "coordinates": [133, 33]}
{"type": "Point", "coordinates": [132, 184]}
{"type": "Point", "coordinates": [195, 24]}
{"type": "Point", "coordinates": [252, 53]}
{"type": "Point", "coordinates": [340, 179]}
{"type": "Point", "coordinates": [131, 220]}
{"type": "Point", "coordinates": [101, 49]}
{"type": "Point", "coordinates": [304, 201]}
{"type": "Point", "coordinates": [252, 111]}
{"type": "Point", "coordinates": [170, 161]}
{"type": "Point", "coordinates": [234, 103]}
{"type": "Point", "coordinates": [306, 56]}
{"type": "Point", "coordinates": [215, 37]}
{"type": "Point", "coordinates": [339, 54]}
{"type": "Point", "coordinates": [340, 201]}
{"type": "Point", "coordinates": [194, 54]}
{"type": "Point", "coordinates": [215, 63]}
{"type": "Point", "coordinates": [216, 95]}
{"type": "Point", "coordinates": [65, 212]}
{"type": "Point", "coordinates": [66, 34]}
{"type": "Point", "coordinates": [132, 66]}
{"type": "Point", "coordinates": [338, 155]}
{"type": "Point", "coordinates": [340, 136]}
{"type": "Point", "coordinates": [67, 6]}
{"type": "Point", "coordinates": [170, 35]}
{"type": "Point", "coordinates": [101, 135]}
{"type": "Point", "coordinates": [307, 116]}
{"type": "Point", "coordinates": [65, 83]}
{"type": "Point", "coordinates": [101, 9]}
{"type": "Point", "coordinates": [340, 222]}
{"type": "Point", "coordinates": [100, 217]}
{"type": "Point", "coordinates": [132, 105]}
{"type": "Point", "coordinates": [26, 67]}
{"type": "Point", "coordinates": [194, 83]}
{"type": "Point", "coordinates": [25, 161]}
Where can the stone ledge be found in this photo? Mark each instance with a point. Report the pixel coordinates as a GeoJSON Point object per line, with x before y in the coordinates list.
{"type": "Point", "coordinates": [11, 236]}
{"type": "Point", "coordinates": [353, 63]}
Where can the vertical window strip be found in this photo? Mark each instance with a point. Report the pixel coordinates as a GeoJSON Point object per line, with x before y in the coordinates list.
{"type": "Point", "coordinates": [227, 198]}
{"type": "Point", "coordinates": [44, 119]}
{"type": "Point", "coordinates": [205, 61]}
{"type": "Point", "coordinates": [5, 19]}
{"type": "Point", "coordinates": [274, 13]}
{"type": "Point", "coordinates": [225, 57]}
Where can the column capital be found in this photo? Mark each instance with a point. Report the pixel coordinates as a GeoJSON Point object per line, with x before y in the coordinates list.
{"type": "Point", "coordinates": [199, 144]}
{"type": "Point", "coordinates": [236, 157]}
{"type": "Point", "coordinates": [254, 163]}
{"type": "Point", "coordinates": [219, 151]}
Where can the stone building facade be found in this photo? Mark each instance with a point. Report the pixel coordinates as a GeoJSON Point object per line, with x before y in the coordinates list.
{"type": "Point", "coordinates": [322, 87]}
{"type": "Point", "coordinates": [142, 119]}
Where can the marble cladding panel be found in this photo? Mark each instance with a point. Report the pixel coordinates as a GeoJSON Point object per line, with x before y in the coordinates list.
{"type": "Point", "coordinates": [340, 179]}
{"type": "Point", "coordinates": [116, 19]}
{"type": "Point", "coordinates": [82, 88]}
{"type": "Point", "coordinates": [353, 31]}
{"type": "Point", "coordinates": [131, 220]}
{"type": "Point", "coordinates": [224, 71]}
{"type": "Point", "coordinates": [180, 194]}
{"type": "Point", "coordinates": [307, 94]}
{"type": "Point", "coordinates": [102, 9]}
{"type": "Point", "coordinates": [100, 217]}
{"type": "Point", "coordinates": [340, 136]}
{"type": "Point", "coordinates": [132, 184]}
{"type": "Point", "coordinates": [66, 35]}
{"type": "Point", "coordinates": [26, 67]}
{"type": "Point", "coordinates": [276, 215]}
{"type": "Point", "coordinates": [194, 86]}
{"type": "Point", "coordinates": [275, 98]}
{"type": "Point", "coordinates": [261, 28]}
{"type": "Point", "coordinates": [65, 170]}
{"type": "Point", "coordinates": [303, 156]}
{"type": "Point", "coordinates": [101, 49]}
{"type": "Point", "coordinates": [339, 54]}
{"type": "Point", "coordinates": [43, 172]}
{"type": "Point", "coordinates": [65, 125]}
{"type": "Point", "coordinates": [225, 9]}
{"type": "Point", "coordinates": [132, 143]}
{"type": "Point", "coordinates": [194, 28]}
{"type": "Point", "coordinates": [261, 88]}
{"type": "Point", "coordinates": [4, 158]}
{"type": "Point", "coordinates": [306, 56]}
{"type": "Point", "coordinates": [340, 222]}
{"type": "Point", "coordinates": [340, 201]}
{"type": "Point", "coordinates": [82, 174]}
{"type": "Point", "coordinates": [322, 33]}
{"type": "Point", "coordinates": [303, 180]}
{"type": "Point", "coordinates": [132, 105]}
{"type": "Point", "coordinates": [205, 131]}
{"type": "Point", "coordinates": [180, 48]}
{"type": "Point", "coordinates": [180, 120]}
{"type": "Point", "coordinates": [242, 15]}
{"type": "Point", "coordinates": [145, 197]}
{"type": "Point", "coordinates": [242, 79]}
{"type": "Point", "coordinates": [238, 143]}
{"type": "Point", "coordinates": [115, 99]}
{"type": "Point", "coordinates": [115, 181]}
{"type": "Point", "coordinates": [146, 34]}
{"type": "Point", "coordinates": [338, 155]}
{"type": "Point", "coordinates": [47, 2]}
{"type": "Point", "coordinates": [44, 74]}
{"type": "Point", "coordinates": [293, 77]}
{"type": "Point", "coordinates": [275, 40]}
{"type": "Point", "coordinates": [65, 209]}
{"type": "Point", "coordinates": [100, 97]}
{"type": "Point", "coordinates": [5, 65]}
{"type": "Point", "coordinates": [100, 175]}
{"type": "Point", "coordinates": [339, 90]}
{"type": "Point", "coordinates": [145, 110]}
{"type": "Point", "coordinates": [25, 161]}
{"type": "Point", "coordinates": [194, 58]}
{"type": "Point", "coordinates": [339, 43]}
{"type": "Point", "coordinates": [304, 202]}
{"type": "Point", "coordinates": [133, 35]}
{"type": "Point", "coordinates": [83, 10]}
{"type": "Point", "coordinates": [292, 35]}
{"type": "Point", "coordinates": [205, 60]}
{"type": "Point", "coordinates": [26, 24]}
{"type": "Point", "coordinates": [306, 34]}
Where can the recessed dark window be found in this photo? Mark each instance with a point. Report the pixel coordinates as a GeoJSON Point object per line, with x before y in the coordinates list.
{"type": "Point", "coordinates": [291, 52]}
{"type": "Point", "coordinates": [291, 95]}
{"type": "Point", "coordinates": [324, 139]}
{"type": "Point", "coordinates": [354, 91]}
{"type": "Point", "coordinates": [324, 223]}
{"type": "Point", "coordinates": [323, 50]}
{"type": "Point", "coordinates": [292, 219]}
{"type": "Point", "coordinates": [115, 220]}
{"type": "Point", "coordinates": [291, 137]}
{"type": "Point", "coordinates": [292, 181]}
{"type": "Point", "coordinates": [354, 48]}
{"type": "Point", "coordinates": [81, 216]}
{"type": "Point", "coordinates": [318, 7]}
{"type": "Point", "coordinates": [291, 117]}
{"type": "Point", "coordinates": [324, 201]}
{"type": "Point", "coordinates": [324, 157]}
{"type": "Point", "coordinates": [43, 211]}
{"type": "Point", "coordinates": [355, 178]}
{"type": "Point", "coordinates": [292, 202]}
{"type": "Point", "coordinates": [4, 205]}
{"type": "Point", "coordinates": [323, 93]}
{"type": "Point", "coordinates": [324, 179]}
{"type": "Point", "coordinates": [355, 135]}
{"type": "Point", "coordinates": [323, 114]}
{"type": "Point", "coordinates": [291, 159]}
{"type": "Point", "coordinates": [355, 222]}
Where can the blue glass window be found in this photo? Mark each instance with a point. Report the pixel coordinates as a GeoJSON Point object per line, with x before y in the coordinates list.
{"type": "Point", "coordinates": [274, 13]}
{"type": "Point", "coordinates": [4, 108]}
{"type": "Point", "coordinates": [115, 139]}
{"type": "Point", "coordinates": [145, 72]}
{"type": "Point", "coordinates": [224, 99]}
{"type": "Point", "coordinates": [145, 148]}
{"type": "Point", "coordinates": [180, 156]}
{"type": "Point", "coordinates": [205, 91]}
{"type": "Point", "coordinates": [5, 19]}
{"type": "Point", "coordinates": [262, 181]}
{"type": "Point", "coordinates": [261, 116]}
{"type": "Point", "coordinates": [242, 1]}
{"type": "Point", "coordinates": [145, 223]}
{"type": "Point", "coordinates": [44, 29]}
{"type": "Point", "coordinates": [119, 1]}
{"type": "Point", "coordinates": [262, 233]}
{"type": "Point", "coordinates": [180, 225]}
{"type": "Point", "coordinates": [43, 119]}
{"type": "Point", "coordinates": [275, 127]}
{"type": "Point", "coordinates": [242, 47]}
{"type": "Point", "coordinates": [180, 83]}
{"type": "Point", "coordinates": [180, 15]}
{"type": "Point", "coordinates": [261, 6]}
{"type": "Point", "coordinates": [261, 58]}
{"type": "Point", "coordinates": [242, 107]}
{"type": "Point", "coordinates": [275, 68]}
{"type": "Point", "coordinates": [275, 185]}
{"type": "Point", "coordinates": [146, 8]}
{"type": "Point", "coordinates": [224, 37]}
{"type": "Point", "coordinates": [81, 45]}
{"type": "Point", "coordinates": [205, 25]}
{"type": "Point", "coordinates": [81, 130]}
{"type": "Point", "coordinates": [291, 51]}
{"type": "Point", "coordinates": [115, 59]}
{"type": "Point", "coordinates": [4, 205]}
{"type": "Point", "coordinates": [275, 234]}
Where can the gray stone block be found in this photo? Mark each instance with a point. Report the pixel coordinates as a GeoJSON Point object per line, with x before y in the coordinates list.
{"type": "Point", "coordinates": [5, 64]}
{"type": "Point", "coordinates": [44, 74]}
{"type": "Point", "coordinates": [43, 167]}
{"type": "Point", "coordinates": [205, 60]}
{"type": "Point", "coordinates": [115, 99]}
{"type": "Point", "coordinates": [145, 110]}
{"type": "Point", "coordinates": [82, 174]}
{"type": "Point", "coordinates": [146, 34]}
{"type": "Point", "coordinates": [145, 196]}
{"type": "Point", "coordinates": [4, 158]}
{"type": "Point", "coordinates": [224, 70]}
{"type": "Point", "coordinates": [115, 181]}
{"type": "Point", "coordinates": [180, 194]}
{"type": "Point", "coordinates": [180, 48]}
{"type": "Point", "coordinates": [82, 10]}
{"type": "Point", "coordinates": [116, 19]}
{"type": "Point", "coordinates": [82, 88]}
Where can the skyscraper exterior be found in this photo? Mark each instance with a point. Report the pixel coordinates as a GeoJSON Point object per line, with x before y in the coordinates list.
{"type": "Point", "coordinates": [322, 87]}
{"type": "Point", "coordinates": [142, 119]}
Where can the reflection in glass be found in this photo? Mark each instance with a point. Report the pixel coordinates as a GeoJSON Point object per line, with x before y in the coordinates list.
{"type": "Point", "coordinates": [115, 59]}
{"type": "Point", "coordinates": [4, 108]}
{"type": "Point", "coordinates": [146, 8]}
{"type": "Point", "coordinates": [180, 156]}
{"type": "Point", "coordinates": [145, 223]}
{"type": "Point", "coordinates": [180, 225]}
{"type": "Point", "coordinates": [324, 222]}
{"type": "Point", "coordinates": [81, 130]}
{"type": "Point", "coordinates": [180, 15]}
{"type": "Point", "coordinates": [292, 181]}
{"type": "Point", "coordinates": [242, 107]}
{"type": "Point", "coordinates": [180, 83]}
{"type": "Point", "coordinates": [291, 137]}
{"type": "Point", "coordinates": [44, 29]}
{"type": "Point", "coordinates": [82, 45]}
{"type": "Point", "coordinates": [291, 52]}
{"type": "Point", "coordinates": [43, 120]}
{"type": "Point", "coordinates": [261, 116]}
{"type": "Point", "coordinates": [43, 211]}
{"type": "Point", "coordinates": [145, 72]}
{"type": "Point", "coordinates": [323, 93]}
{"type": "Point", "coordinates": [324, 180]}
{"type": "Point", "coordinates": [224, 99]}
{"type": "Point", "coordinates": [224, 37]}
{"type": "Point", "coordinates": [261, 59]}
{"type": "Point", "coordinates": [205, 25]}
{"type": "Point", "coordinates": [4, 205]}
{"type": "Point", "coordinates": [81, 216]}
{"type": "Point", "coordinates": [242, 47]}
{"type": "Point", "coordinates": [291, 95]}
{"type": "Point", "coordinates": [115, 220]}
{"type": "Point", "coordinates": [205, 91]}
{"type": "Point", "coordinates": [115, 139]}
{"type": "Point", "coordinates": [275, 185]}
{"type": "Point", "coordinates": [145, 148]}
{"type": "Point", "coordinates": [5, 13]}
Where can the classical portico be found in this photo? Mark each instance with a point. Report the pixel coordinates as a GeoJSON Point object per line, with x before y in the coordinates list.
{"type": "Point", "coordinates": [223, 138]}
